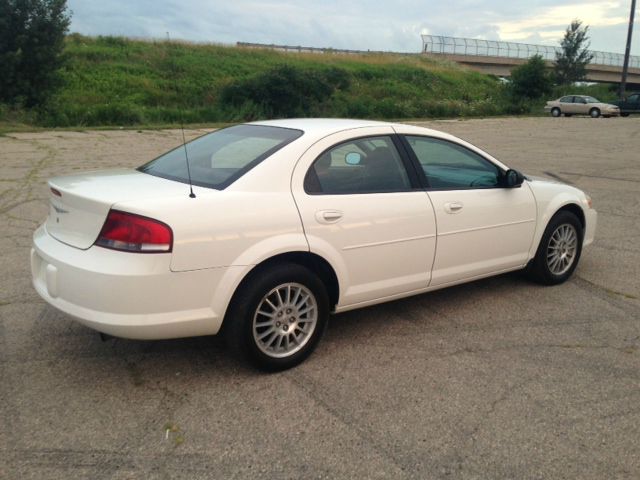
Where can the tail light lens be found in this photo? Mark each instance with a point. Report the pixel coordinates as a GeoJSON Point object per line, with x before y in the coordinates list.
{"type": "Point", "coordinates": [135, 233]}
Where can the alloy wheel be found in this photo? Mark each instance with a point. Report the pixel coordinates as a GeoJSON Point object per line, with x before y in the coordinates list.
{"type": "Point", "coordinates": [562, 249]}
{"type": "Point", "coordinates": [285, 320]}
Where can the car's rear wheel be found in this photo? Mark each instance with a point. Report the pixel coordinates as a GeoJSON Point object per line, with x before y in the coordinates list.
{"type": "Point", "coordinates": [278, 316]}
{"type": "Point", "coordinates": [559, 250]}
{"type": "Point", "coordinates": [594, 112]}
{"type": "Point", "coordinates": [555, 112]}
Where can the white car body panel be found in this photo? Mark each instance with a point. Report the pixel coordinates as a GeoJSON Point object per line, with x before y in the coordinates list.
{"type": "Point", "coordinates": [492, 231]}
{"type": "Point", "coordinates": [125, 294]}
{"type": "Point", "coordinates": [384, 246]}
{"type": "Point", "coordinates": [550, 197]}
{"type": "Point", "coordinates": [76, 217]}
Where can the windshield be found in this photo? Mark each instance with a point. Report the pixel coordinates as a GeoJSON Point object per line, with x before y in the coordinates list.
{"type": "Point", "coordinates": [591, 100]}
{"type": "Point", "coordinates": [219, 158]}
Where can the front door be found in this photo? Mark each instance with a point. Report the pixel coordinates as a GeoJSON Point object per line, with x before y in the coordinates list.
{"type": "Point", "coordinates": [483, 228]}
{"type": "Point", "coordinates": [364, 212]}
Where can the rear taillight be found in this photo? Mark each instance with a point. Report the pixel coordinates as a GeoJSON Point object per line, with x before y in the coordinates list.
{"type": "Point", "coordinates": [134, 233]}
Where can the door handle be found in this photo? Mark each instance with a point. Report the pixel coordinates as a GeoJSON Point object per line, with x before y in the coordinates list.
{"type": "Point", "coordinates": [328, 216]}
{"type": "Point", "coordinates": [453, 207]}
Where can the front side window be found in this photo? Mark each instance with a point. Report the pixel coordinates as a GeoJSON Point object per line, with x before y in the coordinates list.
{"type": "Point", "coordinates": [449, 166]}
{"type": "Point", "coordinates": [364, 165]}
{"type": "Point", "coordinates": [221, 157]}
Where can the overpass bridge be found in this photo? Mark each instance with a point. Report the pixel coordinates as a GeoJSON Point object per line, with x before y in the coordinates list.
{"type": "Point", "coordinates": [498, 58]}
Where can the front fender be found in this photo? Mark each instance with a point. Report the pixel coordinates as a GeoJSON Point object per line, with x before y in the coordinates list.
{"type": "Point", "coordinates": [552, 197]}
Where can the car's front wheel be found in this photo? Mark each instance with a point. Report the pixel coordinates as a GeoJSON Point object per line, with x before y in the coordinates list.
{"type": "Point", "coordinates": [278, 316]}
{"type": "Point", "coordinates": [555, 112]}
{"type": "Point", "coordinates": [594, 112]}
{"type": "Point", "coordinates": [559, 250]}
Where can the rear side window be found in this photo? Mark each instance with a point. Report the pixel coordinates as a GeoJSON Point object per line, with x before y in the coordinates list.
{"type": "Point", "coordinates": [567, 99]}
{"type": "Point", "coordinates": [364, 165]}
{"type": "Point", "coordinates": [219, 158]}
{"type": "Point", "coordinates": [448, 166]}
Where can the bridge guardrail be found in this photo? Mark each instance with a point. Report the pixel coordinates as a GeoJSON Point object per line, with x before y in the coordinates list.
{"type": "Point", "coordinates": [494, 48]}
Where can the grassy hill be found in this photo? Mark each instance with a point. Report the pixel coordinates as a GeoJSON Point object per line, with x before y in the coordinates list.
{"type": "Point", "coordinates": [117, 81]}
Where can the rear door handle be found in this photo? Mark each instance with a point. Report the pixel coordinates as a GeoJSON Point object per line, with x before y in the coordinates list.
{"type": "Point", "coordinates": [453, 207]}
{"type": "Point", "coordinates": [328, 216]}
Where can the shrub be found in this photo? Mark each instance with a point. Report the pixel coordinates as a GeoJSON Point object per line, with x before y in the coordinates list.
{"type": "Point", "coordinates": [285, 91]}
{"type": "Point", "coordinates": [531, 80]}
{"type": "Point", "coordinates": [31, 42]}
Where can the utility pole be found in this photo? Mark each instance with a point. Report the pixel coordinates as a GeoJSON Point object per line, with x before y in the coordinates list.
{"type": "Point", "coordinates": [627, 51]}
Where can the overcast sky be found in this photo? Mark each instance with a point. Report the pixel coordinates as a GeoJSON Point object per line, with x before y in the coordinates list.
{"type": "Point", "coordinates": [356, 24]}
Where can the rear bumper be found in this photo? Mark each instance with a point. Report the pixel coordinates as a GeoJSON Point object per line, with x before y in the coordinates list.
{"type": "Point", "coordinates": [128, 295]}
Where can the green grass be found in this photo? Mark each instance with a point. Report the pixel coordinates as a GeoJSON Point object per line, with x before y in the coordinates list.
{"type": "Point", "coordinates": [112, 81]}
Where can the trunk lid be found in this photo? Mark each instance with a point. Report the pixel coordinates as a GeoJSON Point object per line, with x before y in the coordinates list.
{"type": "Point", "coordinates": [79, 204]}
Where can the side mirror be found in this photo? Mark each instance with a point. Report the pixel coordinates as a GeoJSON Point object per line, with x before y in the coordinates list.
{"type": "Point", "coordinates": [512, 179]}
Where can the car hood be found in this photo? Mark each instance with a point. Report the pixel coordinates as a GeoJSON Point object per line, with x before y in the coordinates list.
{"type": "Point", "coordinates": [535, 178]}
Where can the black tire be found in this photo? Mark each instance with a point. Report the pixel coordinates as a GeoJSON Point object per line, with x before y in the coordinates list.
{"type": "Point", "coordinates": [539, 269]}
{"type": "Point", "coordinates": [594, 112]}
{"type": "Point", "coordinates": [239, 327]}
{"type": "Point", "coordinates": [555, 112]}
{"type": "Point", "coordinates": [624, 114]}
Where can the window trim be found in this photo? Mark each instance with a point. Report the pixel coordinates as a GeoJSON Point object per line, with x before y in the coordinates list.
{"type": "Point", "coordinates": [423, 177]}
{"type": "Point", "coordinates": [409, 167]}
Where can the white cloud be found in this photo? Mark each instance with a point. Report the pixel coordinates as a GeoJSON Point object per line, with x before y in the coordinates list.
{"type": "Point", "coordinates": [594, 14]}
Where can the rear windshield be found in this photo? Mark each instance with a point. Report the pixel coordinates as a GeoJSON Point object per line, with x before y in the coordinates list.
{"type": "Point", "coordinates": [219, 158]}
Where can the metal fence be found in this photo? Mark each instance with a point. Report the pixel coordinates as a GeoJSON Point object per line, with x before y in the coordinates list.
{"type": "Point", "coordinates": [493, 48]}
{"type": "Point", "coordinates": [301, 49]}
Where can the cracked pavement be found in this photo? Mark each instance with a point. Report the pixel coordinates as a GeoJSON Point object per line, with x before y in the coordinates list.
{"type": "Point", "coordinates": [499, 379]}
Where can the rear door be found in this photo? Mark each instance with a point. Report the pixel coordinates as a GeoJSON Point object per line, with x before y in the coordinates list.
{"type": "Point", "coordinates": [580, 106]}
{"type": "Point", "coordinates": [364, 211]}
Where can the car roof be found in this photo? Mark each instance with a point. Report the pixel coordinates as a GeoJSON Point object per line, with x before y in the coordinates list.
{"type": "Point", "coordinates": [317, 128]}
{"type": "Point", "coordinates": [323, 126]}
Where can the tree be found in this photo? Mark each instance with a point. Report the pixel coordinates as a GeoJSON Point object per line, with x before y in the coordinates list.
{"type": "Point", "coordinates": [531, 79]}
{"type": "Point", "coordinates": [574, 56]}
{"type": "Point", "coordinates": [31, 42]}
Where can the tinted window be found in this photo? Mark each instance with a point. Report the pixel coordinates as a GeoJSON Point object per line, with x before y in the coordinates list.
{"type": "Point", "coordinates": [450, 166]}
{"type": "Point", "coordinates": [568, 99]}
{"type": "Point", "coordinates": [364, 165]}
{"type": "Point", "coordinates": [634, 98]}
{"type": "Point", "coordinates": [219, 158]}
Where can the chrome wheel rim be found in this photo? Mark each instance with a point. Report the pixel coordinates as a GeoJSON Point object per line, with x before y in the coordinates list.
{"type": "Point", "coordinates": [562, 249]}
{"type": "Point", "coordinates": [285, 319]}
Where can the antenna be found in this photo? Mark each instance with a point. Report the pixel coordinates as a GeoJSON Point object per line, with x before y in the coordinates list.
{"type": "Point", "coordinates": [184, 141]}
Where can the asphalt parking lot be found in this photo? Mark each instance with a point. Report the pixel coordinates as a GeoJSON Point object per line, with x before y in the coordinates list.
{"type": "Point", "coordinates": [498, 379]}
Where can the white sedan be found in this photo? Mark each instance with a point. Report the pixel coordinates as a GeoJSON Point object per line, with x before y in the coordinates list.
{"type": "Point", "coordinates": [261, 230]}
